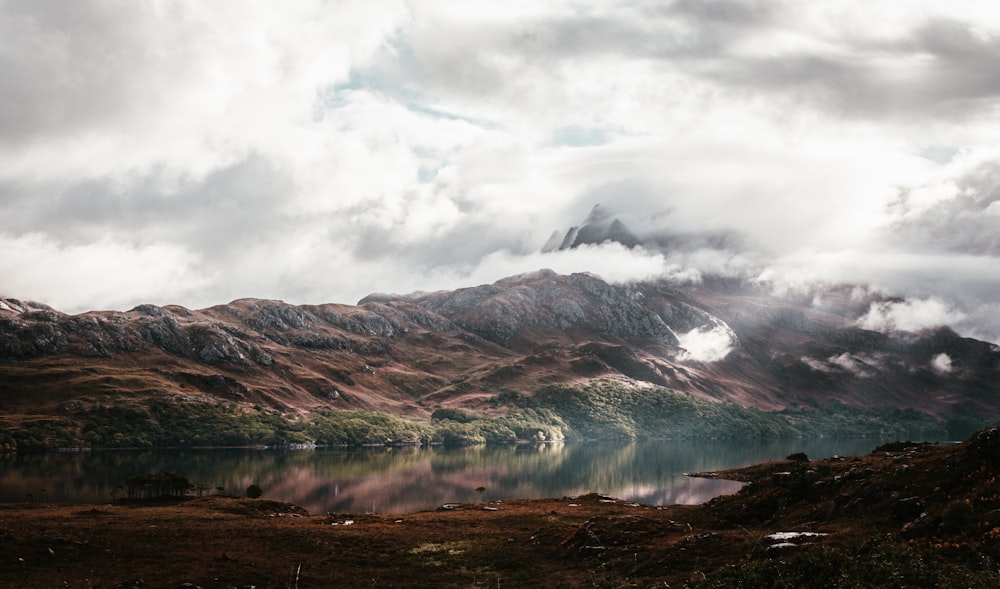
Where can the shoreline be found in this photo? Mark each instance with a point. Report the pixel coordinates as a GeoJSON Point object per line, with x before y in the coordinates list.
{"type": "Point", "coordinates": [848, 516]}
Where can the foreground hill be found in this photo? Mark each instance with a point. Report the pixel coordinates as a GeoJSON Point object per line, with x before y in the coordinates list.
{"type": "Point", "coordinates": [486, 350]}
{"type": "Point", "coordinates": [907, 515]}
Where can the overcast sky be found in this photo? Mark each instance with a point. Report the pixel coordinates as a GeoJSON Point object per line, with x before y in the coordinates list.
{"type": "Point", "coordinates": [197, 152]}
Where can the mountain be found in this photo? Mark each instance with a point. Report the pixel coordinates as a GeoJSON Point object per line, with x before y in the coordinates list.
{"type": "Point", "coordinates": [599, 227]}
{"type": "Point", "coordinates": [410, 355]}
{"type": "Point", "coordinates": [718, 340]}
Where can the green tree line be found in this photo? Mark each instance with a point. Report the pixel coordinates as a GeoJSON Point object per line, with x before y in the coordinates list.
{"type": "Point", "coordinates": [597, 410]}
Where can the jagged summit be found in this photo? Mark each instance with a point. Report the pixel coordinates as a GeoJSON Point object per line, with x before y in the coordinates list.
{"type": "Point", "coordinates": [599, 227]}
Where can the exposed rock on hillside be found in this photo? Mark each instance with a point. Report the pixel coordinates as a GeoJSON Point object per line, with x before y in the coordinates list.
{"type": "Point", "coordinates": [411, 354]}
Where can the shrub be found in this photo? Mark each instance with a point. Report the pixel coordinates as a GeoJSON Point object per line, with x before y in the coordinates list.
{"type": "Point", "coordinates": [452, 414]}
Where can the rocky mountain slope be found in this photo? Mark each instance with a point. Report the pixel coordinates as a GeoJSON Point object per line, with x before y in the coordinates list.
{"type": "Point", "coordinates": [410, 355]}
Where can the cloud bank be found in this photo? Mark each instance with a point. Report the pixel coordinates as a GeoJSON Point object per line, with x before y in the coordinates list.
{"type": "Point", "coordinates": [195, 152]}
{"type": "Point", "coordinates": [910, 315]}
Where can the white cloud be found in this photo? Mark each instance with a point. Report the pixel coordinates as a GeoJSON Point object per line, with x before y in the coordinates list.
{"type": "Point", "coordinates": [817, 365]}
{"type": "Point", "coordinates": [109, 89]}
{"type": "Point", "coordinates": [856, 365]}
{"type": "Point", "coordinates": [99, 275]}
{"type": "Point", "coordinates": [909, 315]}
{"type": "Point", "coordinates": [708, 343]}
{"type": "Point", "coordinates": [611, 261]}
{"type": "Point", "coordinates": [321, 151]}
{"type": "Point", "coordinates": [941, 363]}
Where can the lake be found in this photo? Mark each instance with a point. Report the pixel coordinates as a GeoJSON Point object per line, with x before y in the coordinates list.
{"type": "Point", "coordinates": [405, 480]}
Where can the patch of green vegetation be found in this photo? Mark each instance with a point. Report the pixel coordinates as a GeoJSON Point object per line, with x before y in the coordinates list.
{"type": "Point", "coordinates": [840, 420]}
{"type": "Point", "coordinates": [966, 419]}
{"type": "Point", "coordinates": [166, 423]}
{"type": "Point", "coordinates": [882, 565]}
{"type": "Point", "coordinates": [456, 427]}
{"type": "Point", "coordinates": [606, 410]}
{"type": "Point", "coordinates": [38, 435]}
{"type": "Point", "coordinates": [355, 428]}
{"type": "Point", "coordinates": [163, 422]}
{"type": "Point", "coordinates": [611, 410]}
{"type": "Point", "coordinates": [614, 410]}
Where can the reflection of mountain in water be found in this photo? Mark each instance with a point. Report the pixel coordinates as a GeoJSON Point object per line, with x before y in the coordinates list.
{"type": "Point", "coordinates": [406, 480]}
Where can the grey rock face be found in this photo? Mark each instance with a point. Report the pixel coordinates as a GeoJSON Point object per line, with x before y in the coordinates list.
{"type": "Point", "coordinates": [218, 343]}
{"type": "Point", "coordinates": [279, 316]}
{"type": "Point", "coordinates": [166, 332]}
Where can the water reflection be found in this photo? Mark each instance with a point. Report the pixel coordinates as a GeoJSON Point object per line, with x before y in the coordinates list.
{"type": "Point", "coordinates": [402, 480]}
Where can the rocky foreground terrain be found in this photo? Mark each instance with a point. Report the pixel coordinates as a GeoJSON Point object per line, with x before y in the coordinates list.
{"type": "Point", "coordinates": [478, 348]}
{"type": "Point", "coordinates": [907, 515]}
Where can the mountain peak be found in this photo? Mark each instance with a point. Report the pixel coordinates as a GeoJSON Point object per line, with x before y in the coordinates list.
{"type": "Point", "coordinates": [598, 215]}
{"type": "Point", "coordinates": [599, 227]}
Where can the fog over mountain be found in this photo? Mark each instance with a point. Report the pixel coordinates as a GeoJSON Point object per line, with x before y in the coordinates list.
{"type": "Point", "coordinates": [196, 152]}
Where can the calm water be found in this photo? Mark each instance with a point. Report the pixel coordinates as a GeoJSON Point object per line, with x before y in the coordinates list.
{"type": "Point", "coordinates": [403, 480]}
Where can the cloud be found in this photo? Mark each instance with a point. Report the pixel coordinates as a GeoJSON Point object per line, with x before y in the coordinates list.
{"type": "Point", "coordinates": [322, 151]}
{"type": "Point", "coordinates": [954, 214]}
{"type": "Point", "coordinates": [941, 363]}
{"type": "Point", "coordinates": [909, 315]}
{"type": "Point", "coordinates": [858, 366]}
{"type": "Point", "coordinates": [817, 365]}
{"type": "Point", "coordinates": [708, 343]}
{"type": "Point", "coordinates": [98, 275]}
{"type": "Point", "coordinates": [102, 89]}
{"type": "Point", "coordinates": [613, 262]}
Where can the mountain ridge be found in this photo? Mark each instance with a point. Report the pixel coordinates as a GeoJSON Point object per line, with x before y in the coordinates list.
{"type": "Point", "coordinates": [413, 354]}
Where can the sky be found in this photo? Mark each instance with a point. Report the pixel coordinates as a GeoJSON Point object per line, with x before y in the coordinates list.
{"type": "Point", "coordinates": [195, 152]}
